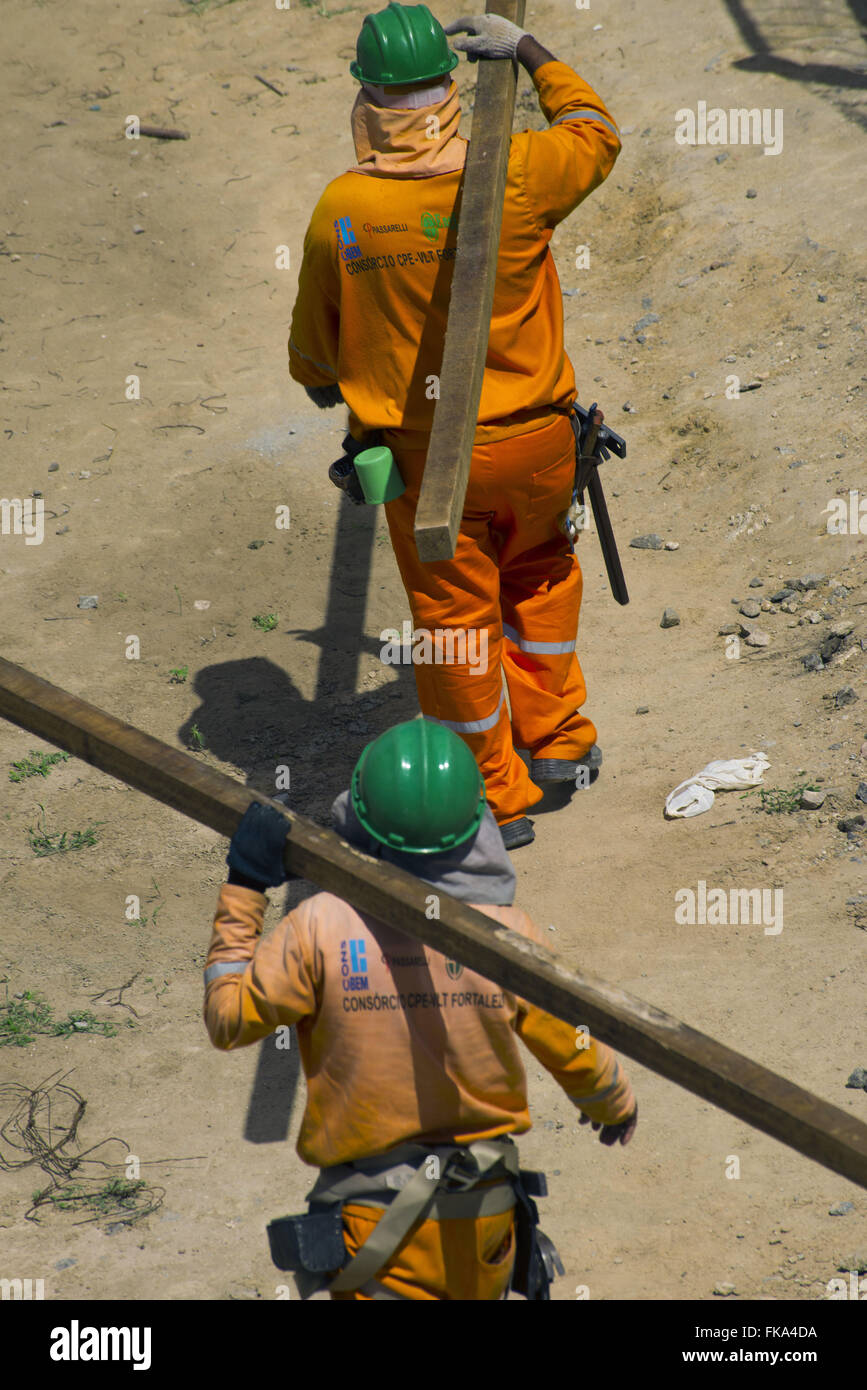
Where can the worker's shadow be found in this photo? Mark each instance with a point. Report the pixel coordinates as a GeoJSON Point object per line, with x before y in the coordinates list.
{"type": "Point", "coordinates": [765, 27]}
{"type": "Point", "coordinates": [253, 716]}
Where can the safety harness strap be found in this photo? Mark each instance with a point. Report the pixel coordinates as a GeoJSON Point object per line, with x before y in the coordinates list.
{"type": "Point", "coordinates": [465, 1166]}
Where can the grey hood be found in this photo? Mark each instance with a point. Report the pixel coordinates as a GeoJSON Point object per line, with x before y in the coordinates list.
{"type": "Point", "coordinates": [478, 871]}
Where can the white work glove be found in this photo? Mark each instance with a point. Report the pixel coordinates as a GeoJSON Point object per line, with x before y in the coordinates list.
{"type": "Point", "coordinates": [492, 36]}
{"type": "Point", "coordinates": [325, 396]}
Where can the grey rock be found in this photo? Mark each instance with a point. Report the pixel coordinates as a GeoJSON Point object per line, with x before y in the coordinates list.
{"type": "Point", "coordinates": [811, 581]}
{"type": "Point", "coordinates": [757, 583]}
{"type": "Point", "coordinates": [88, 601]}
{"type": "Point", "coordinates": [729, 629]}
{"type": "Point", "coordinates": [757, 638]}
{"type": "Point", "coordinates": [750, 608]}
{"type": "Point", "coordinates": [861, 793]}
{"type": "Point", "coordinates": [643, 709]}
{"type": "Point", "coordinates": [669, 618]}
{"type": "Point", "coordinates": [782, 595]}
{"type": "Point", "coordinates": [858, 1080]}
{"type": "Point", "coordinates": [721, 158]}
{"type": "Point", "coordinates": [672, 545]}
{"type": "Point", "coordinates": [812, 801]}
{"type": "Point", "coordinates": [844, 696]}
{"type": "Point", "coordinates": [813, 662]}
{"type": "Point", "coordinates": [856, 1262]}
{"type": "Point", "coordinates": [724, 1290]}
{"type": "Point", "coordinates": [841, 1208]}
{"type": "Point", "coordinates": [255, 545]}
{"type": "Point", "coordinates": [67, 1263]}
{"type": "Point", "coordinates": [829, 646]}
{"type": "Point", "coordinates": [645, 320]}
{"type": "Point", "coordinates": [751, 193]}
{"type": "Point", "coordinates": [53, 467]}
{"type": "Point", "coordinates": [649, 542]}
{"type": "Point", "coordinates": [847, 823]}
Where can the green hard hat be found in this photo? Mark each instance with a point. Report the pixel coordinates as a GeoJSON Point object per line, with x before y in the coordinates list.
{"type": "Point", "coordinates": [417, 789]}
{"type": "Point", "coordinates": [401, 44]}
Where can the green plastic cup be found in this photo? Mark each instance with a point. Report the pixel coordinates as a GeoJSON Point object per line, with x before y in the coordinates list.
{"type": "Point", "coordinates": [378, 474]}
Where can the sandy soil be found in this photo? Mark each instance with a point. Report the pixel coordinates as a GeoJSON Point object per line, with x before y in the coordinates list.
{"type": "Point", "coordinates": [156, 260]}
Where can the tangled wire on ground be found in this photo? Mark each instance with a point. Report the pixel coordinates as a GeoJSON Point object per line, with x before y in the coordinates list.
{"type": "Point", "coordinates": [32, 1129]}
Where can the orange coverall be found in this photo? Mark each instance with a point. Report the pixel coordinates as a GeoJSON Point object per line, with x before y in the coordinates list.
{"type": "Point", "coordinates": [398, 1045]}
{"type": "Point", "coordinates": [370, 314]}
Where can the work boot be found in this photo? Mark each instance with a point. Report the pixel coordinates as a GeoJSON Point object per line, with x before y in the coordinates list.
{"type": "Point", "coordinates": [516, 833]}
{"type": "Point", "coordinates": [562, 770]}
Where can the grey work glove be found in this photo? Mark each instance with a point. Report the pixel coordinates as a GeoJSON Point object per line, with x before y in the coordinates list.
{"type": "Point", "coordinates": [325, 396]}
{"type": "Point", "coordinates": [492, 36]}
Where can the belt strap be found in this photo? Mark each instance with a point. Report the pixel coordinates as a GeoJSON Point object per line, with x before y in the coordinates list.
{"type": "Point", "coordinates": [416, 1199]}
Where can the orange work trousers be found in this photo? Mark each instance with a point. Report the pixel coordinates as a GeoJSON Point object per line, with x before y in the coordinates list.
{"type": "Point", "coordinates": [514, 588]}
{"type": "Point", "coordinates": [465, 1259]}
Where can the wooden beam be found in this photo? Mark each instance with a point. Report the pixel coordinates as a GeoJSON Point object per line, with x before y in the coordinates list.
{"type": "Point", "coordinates": [447, 470]}
{"type": "Point", "coordinates": [728, 1079]}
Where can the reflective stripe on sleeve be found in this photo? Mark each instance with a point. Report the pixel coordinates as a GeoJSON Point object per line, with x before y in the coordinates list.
{"type": "Point", "coordinates": [539, 648]}
{"type": "Point", "coordinates": [226, 967]}
{"type": "Point", "coordinates": [586, 115]}
{"type": "Point", "coordinates": [599, 1095]}
{"type": "Point", "coordinates": [470, 726]}
{"type": "Point", "coordinates": [323, 367]}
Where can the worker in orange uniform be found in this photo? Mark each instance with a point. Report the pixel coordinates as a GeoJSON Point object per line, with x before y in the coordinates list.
{"type": "Point", "coordinates": [368, 328]}
{"type": "Point", "coordinates": [414, 1076]}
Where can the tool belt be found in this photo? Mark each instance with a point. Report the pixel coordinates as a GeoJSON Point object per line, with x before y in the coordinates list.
{"type": "Point", "coordinates": [412, 1183]}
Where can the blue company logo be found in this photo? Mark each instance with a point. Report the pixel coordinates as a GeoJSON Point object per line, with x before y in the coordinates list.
{"type": "Point", "coordinates": [353, 964]}
{"type": "Point", "coordinates": [346, 243]}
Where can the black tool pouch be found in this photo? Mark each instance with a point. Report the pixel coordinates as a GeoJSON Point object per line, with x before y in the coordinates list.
{"type": "Point", "coordinates": [342, 472]}
{"type": "Point", "coordinates": [536, 1259]}
{"type": "Point", "coordinates": [311, 1246]}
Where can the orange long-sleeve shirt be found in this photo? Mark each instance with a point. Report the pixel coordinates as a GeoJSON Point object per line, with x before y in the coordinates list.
{"type": "Point", "coordinates": [397, 1042]}
{"type": "Point", "coordinates": [372, 304]}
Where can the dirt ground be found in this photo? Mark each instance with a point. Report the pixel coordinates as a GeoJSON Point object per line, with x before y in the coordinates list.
{"type": "Point", "coordinates": [152, 259]}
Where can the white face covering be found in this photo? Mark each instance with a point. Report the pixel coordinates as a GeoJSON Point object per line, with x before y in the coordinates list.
{"type": "Point", "coordinates": [409, 101]}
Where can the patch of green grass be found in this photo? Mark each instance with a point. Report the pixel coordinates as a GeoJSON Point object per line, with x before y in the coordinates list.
{"type": "Point", "coordinates": [266, 622]}
{"type": "Point", "coordinates": [44, 842]}
{"type": "Point", "coordinates": [21, 1019]}
{"type": "Point", "coordinates": [777, 801]}
{"type": "Point", "coordinates": [178, 674]}
{"type": "Point", "coordinates": [38, 764]}
{"type": "Point", "coordinates": [197, 738]}
{"type": "Point", "coordinates": [121, 1199]}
